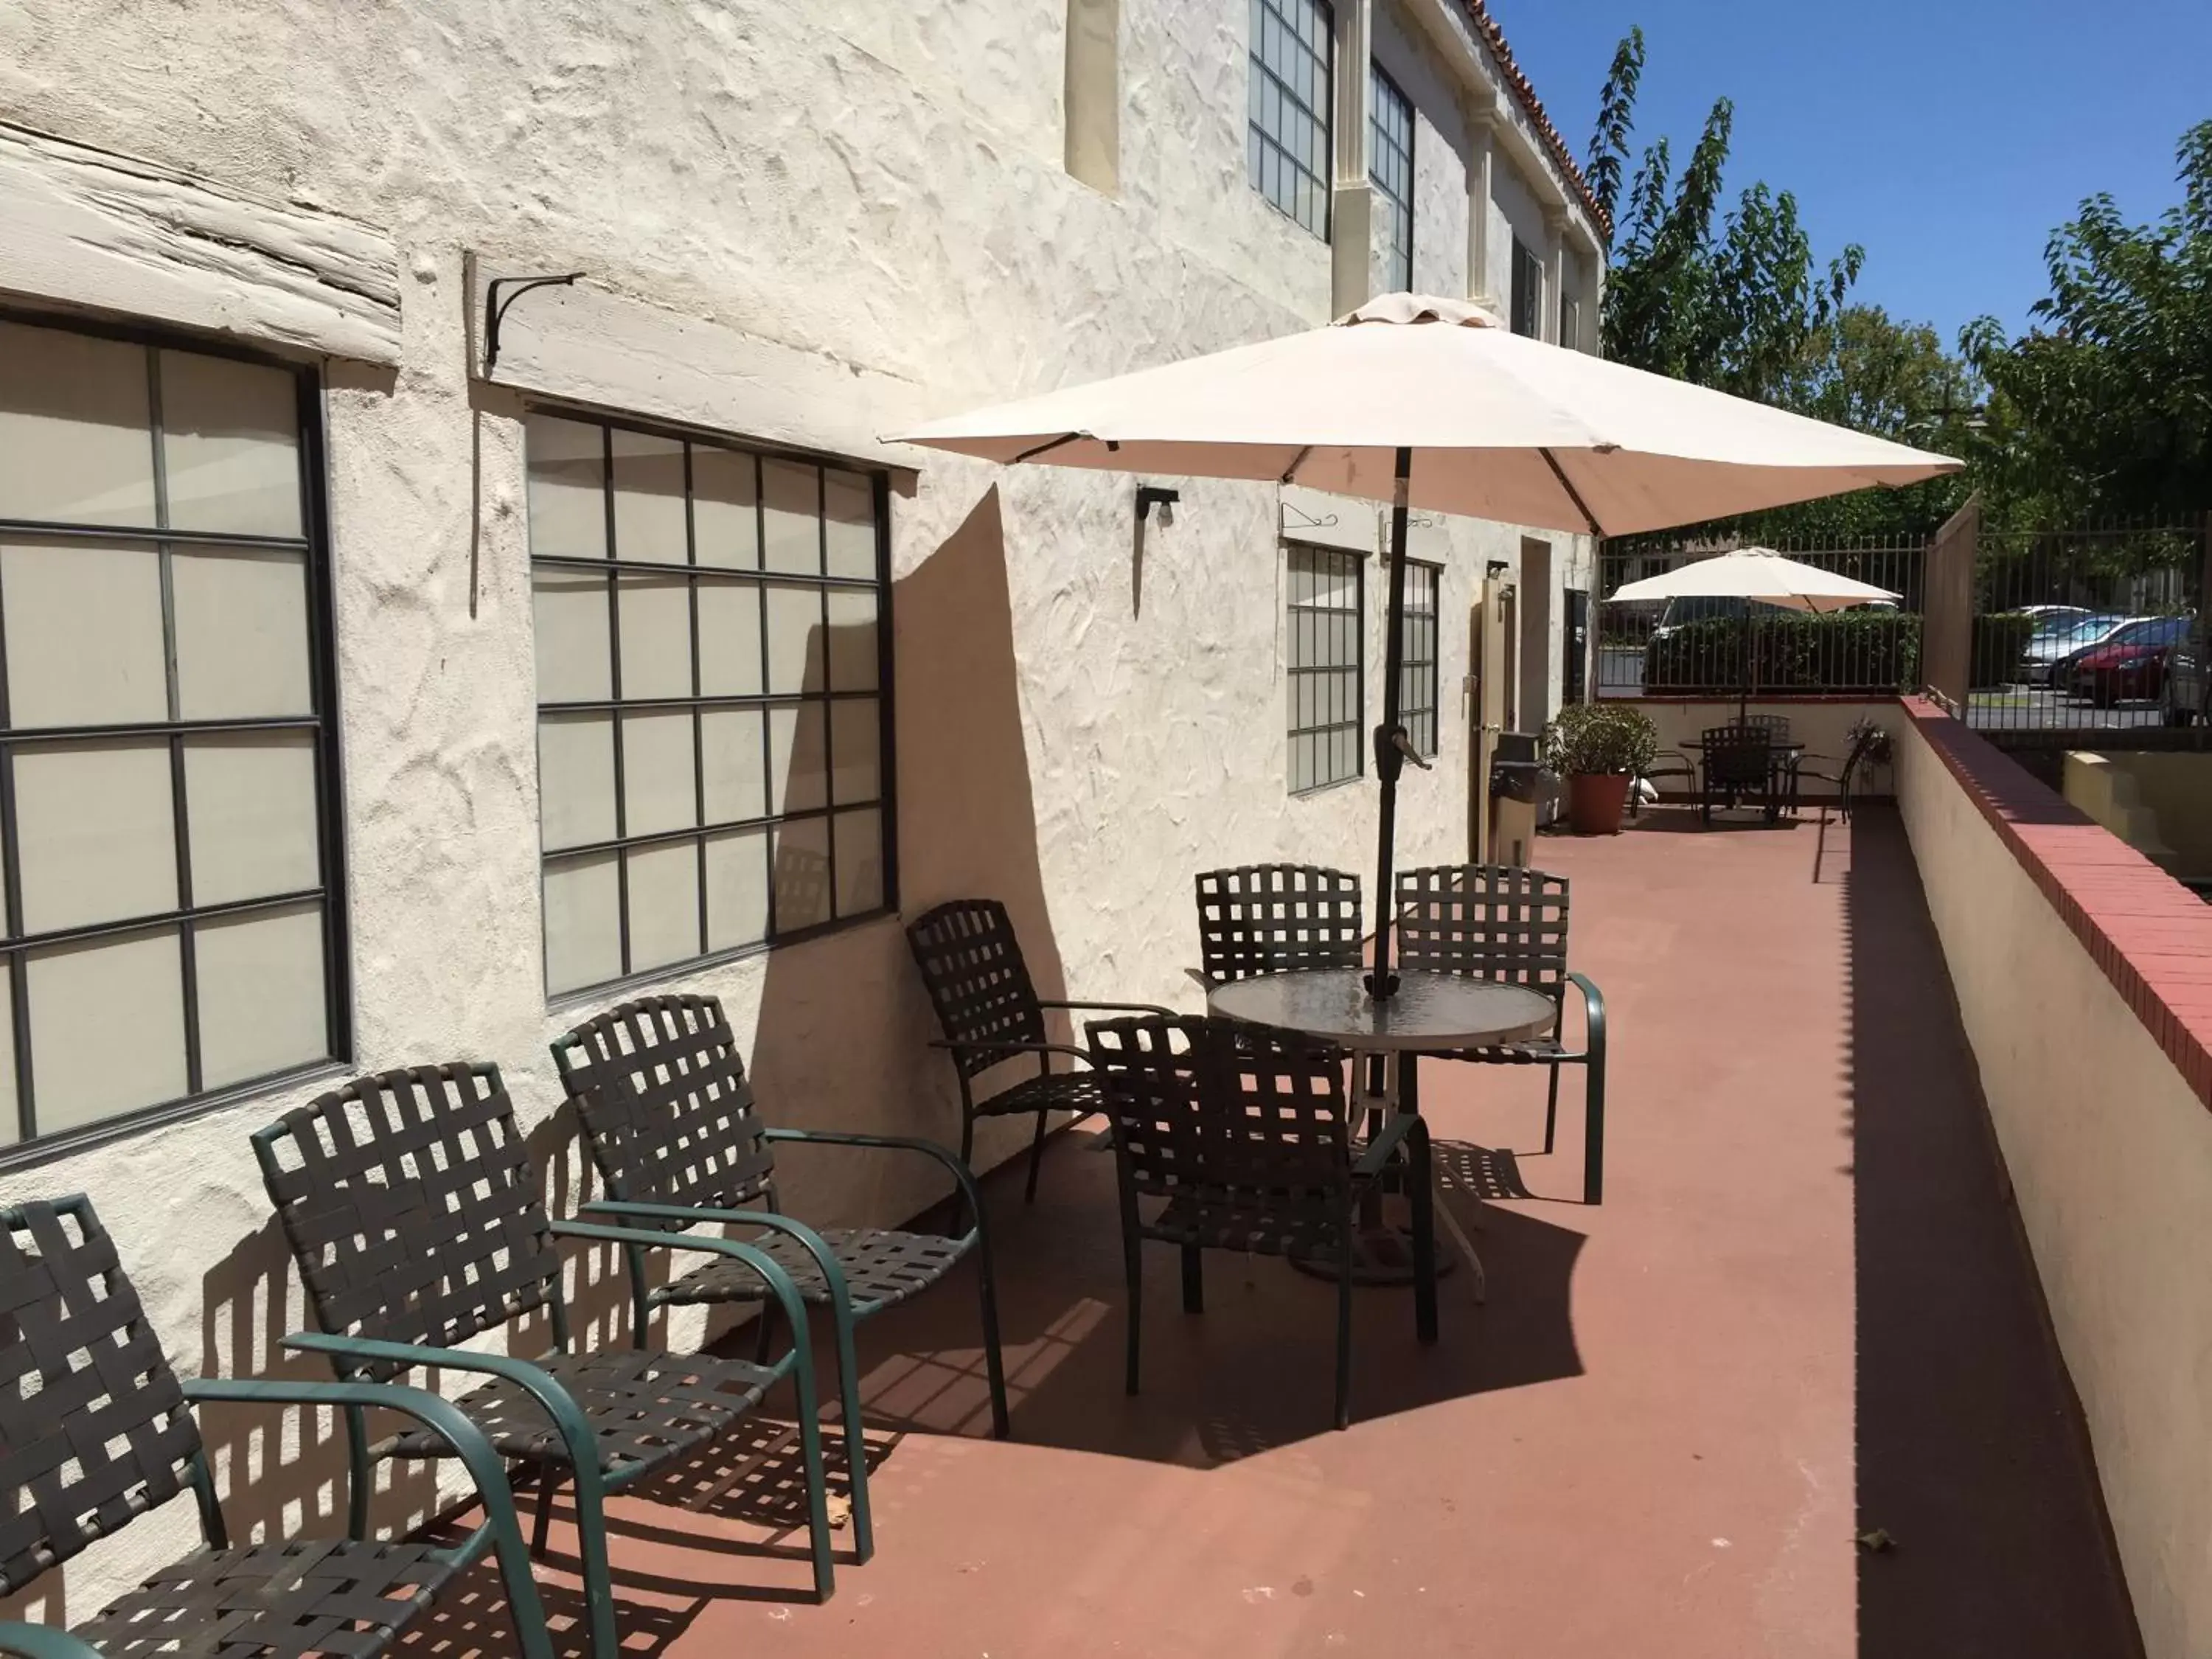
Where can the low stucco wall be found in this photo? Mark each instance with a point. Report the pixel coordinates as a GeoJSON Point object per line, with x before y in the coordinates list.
{"type": "Point", "coordinates": [1823, 725]}
{"type": "Point", "coordinates": [2070, 972]}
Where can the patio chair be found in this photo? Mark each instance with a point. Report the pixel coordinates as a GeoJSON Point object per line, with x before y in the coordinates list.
{"type": "Point", "coordinates": [1507, 924]}
{"type": "Point", "coordinates": [96, 1430]}
{"type": "Point", "coordinates": [670, 1117]}
{"type": "Point", "coordinates": [414, 1214]}
{"type": "Point", "coordinates": [1667, 763]}
{"type": "Point", "coordinates": [990, 1010]}
{"type": "Point", "coordinates": [1275, 918]}
{"type": "Point", "coordinates": [1738, 761]}
{"type": "Point", "coordinates": [1241, 1133]}
{"type": "Point", "coordinates": [1826, 769]}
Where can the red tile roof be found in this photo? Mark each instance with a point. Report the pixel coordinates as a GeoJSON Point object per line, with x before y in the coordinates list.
{"type": "Point", "coordinates": [1524, 93]}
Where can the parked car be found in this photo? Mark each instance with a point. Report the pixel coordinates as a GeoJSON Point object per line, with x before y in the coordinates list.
{"type": "Point", "coordinates": [2048, 648]}
{"type": "Point", "coordinates": [2051, 616]}
{"type": "Point", "coordinates": [2130, 663]}
{"type": "Point", "coordinates": [2183, 697]}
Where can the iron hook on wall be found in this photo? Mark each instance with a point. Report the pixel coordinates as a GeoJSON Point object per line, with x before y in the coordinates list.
{"type": "Point", "coordinates": [496, 306]}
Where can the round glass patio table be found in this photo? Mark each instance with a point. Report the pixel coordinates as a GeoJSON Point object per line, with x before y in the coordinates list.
{"type": "Point", "coordinates": [1432, 1013]}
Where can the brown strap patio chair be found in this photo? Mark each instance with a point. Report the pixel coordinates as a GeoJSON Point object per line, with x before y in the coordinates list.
{"type": "Point", "coordinates": [1276, 918]}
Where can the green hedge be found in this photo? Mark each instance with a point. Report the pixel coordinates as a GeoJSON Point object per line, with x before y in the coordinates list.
{"type": "Point", "coordinates": [1842, 651]}
{"type": "Point", "coordinates": [2001, 639]}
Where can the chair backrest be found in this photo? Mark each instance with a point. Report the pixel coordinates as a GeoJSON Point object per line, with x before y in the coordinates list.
{"type": "Point", "coordinates": [1867, 736]}
{"type": "Point", "coordinates": [1777, 726]}
{"type": "Point", "coordinates": [661, 1088]}
{"type": "Point", "coordinates": [1272, 918]}
{"type": "Point", "coordinates": [1225, 1114]}
{"type": "Point", "coordinates": [411, 1208]}
{"type": "Point", "coordinates": [1485, 920]}
{"type": "Point", "coordinates": [971, 965]}
{"type": "Point", "coordinates": [94, 1428]}
{"type": "Point", "coordinates": [1737, 756]}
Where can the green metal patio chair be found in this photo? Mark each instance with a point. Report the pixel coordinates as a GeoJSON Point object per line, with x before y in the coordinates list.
{"type": "Point", "coordinates": [670, 1117]}
{"type": "Point", "coordinates": [1504, 923]}
{"type": "Point", "coordinates": [96, 1430]}
{"type": "Point", "coordinates": [1276, 918]}
{"type": "Point", "coordinates": [414, 1215]}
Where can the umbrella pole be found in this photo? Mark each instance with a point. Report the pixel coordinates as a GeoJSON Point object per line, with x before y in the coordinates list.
{"type": "Point", "coordinates": [1388, 757]}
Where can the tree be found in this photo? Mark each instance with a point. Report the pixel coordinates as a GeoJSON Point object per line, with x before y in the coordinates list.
{"type": "Point", "coordinates": [2104, 404]}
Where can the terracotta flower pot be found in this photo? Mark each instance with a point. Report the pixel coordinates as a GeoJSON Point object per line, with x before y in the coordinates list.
{"type": "Point", "coordinates": [1595, 801]}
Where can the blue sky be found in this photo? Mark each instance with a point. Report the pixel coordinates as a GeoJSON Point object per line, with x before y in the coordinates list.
{"type": "Point", "coordinates": [1948, 138]}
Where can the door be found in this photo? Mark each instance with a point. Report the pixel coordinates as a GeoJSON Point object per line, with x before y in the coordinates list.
{"type": "Point", "coordinates": [1574, 647]}
{"type": "Point", "coordinates": [1489, 703]}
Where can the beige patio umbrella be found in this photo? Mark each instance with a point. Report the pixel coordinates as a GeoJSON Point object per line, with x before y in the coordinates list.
{"type": "Point", "coordinates": [1432, 403]}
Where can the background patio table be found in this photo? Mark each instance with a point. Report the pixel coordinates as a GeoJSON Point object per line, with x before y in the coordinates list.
{"type": "Point", "coordinates": [1430, 1012]}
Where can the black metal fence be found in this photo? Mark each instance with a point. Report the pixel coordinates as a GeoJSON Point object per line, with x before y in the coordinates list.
{"type": "Point", "coordinates": [1717, 647]}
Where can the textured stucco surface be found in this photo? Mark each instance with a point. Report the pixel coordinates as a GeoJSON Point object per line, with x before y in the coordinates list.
{"type": "Point", "coordinates": [1078, 730]}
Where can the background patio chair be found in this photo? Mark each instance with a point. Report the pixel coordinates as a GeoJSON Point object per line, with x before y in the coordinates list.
{"type": "Point", "coordinates": [1241, 1132]}
{"type": "Point", "coordinates": [990, 1010]}
{"type": "Point", "coordinates": [1276, 918]}
{"type": "Point", "coordinates": [1666, 763]}
{"type": "Point", "coordinates": [1503, 923]}
{"type": "Point", "coordinates": [670, 1117]}
{"type": "Point", "coordinates": [1738, 761]}
{"type": "Point", "coordinates": [95, 1431]}
{"type": "Point", "coordinates": [414, 1215]}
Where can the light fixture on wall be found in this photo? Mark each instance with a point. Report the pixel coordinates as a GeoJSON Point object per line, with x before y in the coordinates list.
{"type": "Point", "coordinates": [1151, 496]}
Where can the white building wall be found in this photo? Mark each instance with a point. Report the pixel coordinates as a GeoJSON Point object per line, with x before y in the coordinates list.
{"type": "Point", "coordinates": [872, 191]}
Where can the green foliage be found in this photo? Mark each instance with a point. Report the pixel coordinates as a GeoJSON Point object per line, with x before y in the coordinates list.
{"type": "Point", "coordinates": [2000, 642]}
{"type": "Point", "coordinates": [2104, 404]}
{"type": "Point", "coordinates": [1592, 738]}
{"type": "Point", "coordinates": [1841, 651]}
{"type": "Point", "coordinates": [1616, 109]}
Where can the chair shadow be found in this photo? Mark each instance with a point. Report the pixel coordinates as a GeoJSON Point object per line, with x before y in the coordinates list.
{"type": "Point", "coordinates": [471, 1616]}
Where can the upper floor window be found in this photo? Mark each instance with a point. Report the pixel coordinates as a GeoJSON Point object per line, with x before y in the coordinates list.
{"type": "Point", "coordinates": [171, 924]}
{"type": "Point", "coordinates": [1528, 290]}
{"type": "Point", "coordinates": [1417, 689]}
{"type": "Point", "coordinates": [714, 715]}
{"type": "Point", "coordinates": [1390, 166]}
{"type": "Point", "coordinates": [1326, 663]}
{"type": "Point", "coordinates": [1286, 138]}
{"type": "Point", "coordinates": [1571, 323]}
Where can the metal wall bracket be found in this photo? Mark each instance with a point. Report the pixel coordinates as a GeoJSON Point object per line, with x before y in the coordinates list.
{"type": "Point", "coordinates": [496, 306]}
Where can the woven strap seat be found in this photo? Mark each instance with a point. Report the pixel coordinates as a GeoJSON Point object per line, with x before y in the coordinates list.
{"type": "Point", "coordinates": [1227, 1225]}
{"type": "Point", "coordinates": [645, 1407]}
{"type": "Point", "coordinates": [282, 1600]}
{"type": "Point", "coordinates": [1057, 1092]}
{"type": "Point", "coordinates": [880, 1268]}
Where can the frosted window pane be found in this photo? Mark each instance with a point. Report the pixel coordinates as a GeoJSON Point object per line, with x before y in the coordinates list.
{"type": "Point", "coordinates": [250, 810]}
{"type": "Point", "coordinates": [855, 740]}
{"type": "Point", "coordinates": [736, 889]}
{"type": "Point", "coordinates": [84, 634]}
{"type": "Point", "coordinates": [230, 444]}
{"type": "Point", "coordinates": [729, 639]}
{"type": "Point", "coordinates": [260, 984]}
{"type": "Point", "coordinates": [859, 862]}
{"type": "Point", "coordinates": [848, 522]}
{"type": "Point", "coordinates": [648, 497]}
{"type": "Point", "coordinates": [242, 633]}
{"type": "Point", "coordinates": [567, 480]}
{"type": "Point", "coordinates": [802, 874]}
{"type": "Point", "coordinates": [658, 792]}
{"type": "Point", "coordinates": [730, 742]}
{"type": "Point", "coordinates": [573, 650]}
{"type": "Point", "coordinates": [852, 661]}
{"type": "Point", "coordinates": [791, 516]}
{"type": "Point", "coordinates": [575, 780]}
{"type": "Point", "coordinates": [796, 760]}
{"type": "Point", "coordinates": [794, 638]}
{"type": "Point", "coordinates": [75, 440]}
{"type": "Point", "coordinates": [81, 996]}
{"type": "Point", "coordinates": [725, 507]}
{"type": "Point", "coordinates": [11, 1123]}
{"type": "Point", "coordinates": [583, 922]}
{"type": "Point", "coordinates": [664, 904]}
{"type": "Point", "coordinates": [94, 832]}
{"type": "Point", "coordinates": [656, 636]}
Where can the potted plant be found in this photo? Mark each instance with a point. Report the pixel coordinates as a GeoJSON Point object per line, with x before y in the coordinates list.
{"type": "Point", "coordinates": [1601, 749]}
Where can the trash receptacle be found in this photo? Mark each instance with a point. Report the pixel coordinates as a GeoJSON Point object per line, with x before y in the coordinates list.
{"type": "Point", "coordinates": [1517, 789]}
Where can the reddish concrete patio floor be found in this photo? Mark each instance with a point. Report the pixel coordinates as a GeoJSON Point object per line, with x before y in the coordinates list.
{"type": "Point", "coordinates": [1801, 1314]}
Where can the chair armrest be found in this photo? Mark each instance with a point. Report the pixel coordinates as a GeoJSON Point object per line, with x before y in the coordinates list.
{"type": "Point", "coordinates": [45, 1642]}
{"type": "Point", "coordinates": [961, 1173]}
{"type": "Point", "coordinates": [1593, 1012]}
{"type": "Point", "coordinates": [833, 1274]}
{"type": "Point", "coordinates": [770, 1272]}
{"type": "Point", "coordinates": [1114, 1007]}
{"type": "Point", "coordinates": [1397, 1128]}
{"type": "Point", "coordinates": [1010, 1050]}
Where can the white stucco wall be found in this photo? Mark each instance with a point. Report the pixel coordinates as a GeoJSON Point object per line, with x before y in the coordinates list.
{"type": "Point", "coordinates": [875, 189]}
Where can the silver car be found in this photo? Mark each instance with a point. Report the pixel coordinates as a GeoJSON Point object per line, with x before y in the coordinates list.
{"type": "Point", "coordinates": [2186, 684]}
{"type": "Point", "coordinates": [2057, 639]}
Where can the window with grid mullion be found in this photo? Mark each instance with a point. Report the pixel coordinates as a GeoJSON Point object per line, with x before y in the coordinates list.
{"type": "Point", "coordinates": [1390, 169]}
{"type": "Point", "coordinates": [1324, 676]}
{"type": "Point", "coordinates": [711, 764]}
{"type": "Point", "coordinates": [1417, 694]}
{"type": "Point", "coordinates": [1287, 143]}
{"type": "Point", "coordinates": [165, 749]}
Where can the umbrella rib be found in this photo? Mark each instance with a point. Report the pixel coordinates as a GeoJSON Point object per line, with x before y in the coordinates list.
{"type": "Point", "coordinates": [1573, 495]}
{"type": "Point", "coordinates": [1296, 461]}
{"type": "Point", "coordinates": [1031, 454]}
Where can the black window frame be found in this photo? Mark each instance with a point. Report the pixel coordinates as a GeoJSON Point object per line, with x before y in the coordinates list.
{"type": "Point", "coordinates": [1417, 681]}
{"type": "Point", "coordinates": [885, 803]}
{"type": "Point", "coordinates": [1308, 617]}
{"type": "Point", "coordinates": [1267, 86]}
{"type": "Point", "coordinates": [1527, 292]}
{"type": "Point", "coordinates": [331, 893]}
{"type": "Point", "coordinates": [1393, 184]}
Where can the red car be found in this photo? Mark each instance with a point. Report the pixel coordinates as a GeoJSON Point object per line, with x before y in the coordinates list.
{"type": "Point", "coordinates": [2131, 663]}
